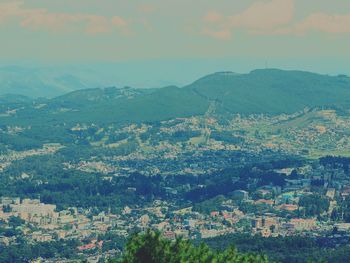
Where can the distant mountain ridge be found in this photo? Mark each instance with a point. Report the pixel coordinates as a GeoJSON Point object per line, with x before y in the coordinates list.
{"type": "Point", "coordinates": [14, 98]}
{"type": "Point", "coordinates": [35, 82]}
{"type": "Point", "coordinates": [273, 91]}
{"type": "Point", "coordinates": [267, 91]}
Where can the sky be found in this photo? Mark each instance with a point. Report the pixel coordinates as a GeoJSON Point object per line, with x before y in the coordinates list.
{"type": "Point", "coordinates": [168, 36]}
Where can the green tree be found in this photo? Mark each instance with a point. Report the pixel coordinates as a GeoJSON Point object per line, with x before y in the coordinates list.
{"type": "Point", "coordinates": [15, 221]}
{"type": "Point", "coordinates": [150, 247]}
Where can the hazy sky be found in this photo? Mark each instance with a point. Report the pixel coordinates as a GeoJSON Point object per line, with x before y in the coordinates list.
{"type": "Point", "coordinates": [306, 34]}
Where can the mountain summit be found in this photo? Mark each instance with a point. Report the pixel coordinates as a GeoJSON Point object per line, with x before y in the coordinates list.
{"type": "Point", "coordinates": [265, 91]}
{"type": "Point", "coordinates": [273, 91]}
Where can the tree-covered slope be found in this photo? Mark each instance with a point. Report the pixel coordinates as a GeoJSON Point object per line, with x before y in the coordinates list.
{"type": "Point", "coordinates": [112, 105]}
{"type": "Point", "coordinates": [35, 82]}
{"type": "Point", "coordinates": [166, 103]}
{"type": "Point", "coordinates": [261, 91]}
{"type": "Point", "coordinates": [273, 91]}
{"type": "Point", "coordinates": [150, 247]}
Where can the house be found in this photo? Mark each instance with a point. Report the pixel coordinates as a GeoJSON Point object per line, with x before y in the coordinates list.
{"type": "Point", "coordinates": [87, 247]}
{"type": "Point", "coordinates": [303, 224]}
{"type": "Point", "coordinates": [40, 237]}
{"type": "Point", "coordinates": [331, 193]}
{"type": "Point", "coordinates": [344, 227]}
{"type": "Point", "coordinates": [240, 195]}
{"type": "Point", "coordinates": [265, 202]}
{"type": "Point", "coordinates": [287, 207]}
{"type": "Point", "coordinates": [214, 214]}
{"type": "Point", "coordinates": [169, 235]}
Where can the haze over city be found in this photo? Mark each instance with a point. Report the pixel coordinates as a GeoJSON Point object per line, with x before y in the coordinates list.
{"type": "Point", "coordinates": [174, 131]}
{"type": "Point", "coordinates": [156, 39]}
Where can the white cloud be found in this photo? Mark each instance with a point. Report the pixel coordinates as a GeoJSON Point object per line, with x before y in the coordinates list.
{"type": "Point", "coordinates": [264, 15]}
{"type": "Point", "coordinates": [260, 17]}
{"type": "Point", "coordinates": [319, 22]}
{"type": "Point", "coordinates": [146, 9]}
{"type": "Point", "coordinates": [220, 34]}
{"type": "Point", "coordinates": [42, 19]}
{"type": "Point", "coordinates": [213, 17]}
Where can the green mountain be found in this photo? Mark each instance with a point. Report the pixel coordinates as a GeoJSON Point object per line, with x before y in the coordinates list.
{"type": "Point", "coordinates": [273, 91]}
{"type": "Point", "coordinates": [133, 105]}
{"type": "Point", "coordinates": [269, 91]}
{"type": "Point", "coordinates": [14, 98]}
{"type": "Point", "coordinates": [37, 82]}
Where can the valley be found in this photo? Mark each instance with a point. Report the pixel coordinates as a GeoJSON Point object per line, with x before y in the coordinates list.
{"type": "Point", "coordinates": [82, 172]}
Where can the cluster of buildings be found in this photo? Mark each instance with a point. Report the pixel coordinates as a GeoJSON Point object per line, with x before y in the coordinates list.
{"type": "Point", "coordinates": [310, 133]}
{"type": "Point", "coordinates": [44, 223]}
{"type": "Point", "coordinates": [269, 211]}
{"type": "Point", "coordinates": [9, 157]}
{"type": "Point", "coordinates": [269, 215]}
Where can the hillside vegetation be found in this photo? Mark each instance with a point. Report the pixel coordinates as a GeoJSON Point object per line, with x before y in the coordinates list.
{"type": "Point", "coordinates": [152, 248]}
{"type": "Point", "coordinates": [268, 91]}
{"type": "Point", "coordinates": [273, 91]}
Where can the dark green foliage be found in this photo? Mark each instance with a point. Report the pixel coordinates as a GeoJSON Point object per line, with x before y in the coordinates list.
{"type": "Point", "coordinates": [336, 162]}
{"type": "Point", "coordinates": [345, 210]}
{"type": "Point", "coordinates": [25, 252]}
{"type": "Point", "coordinates": [82, 106]}
{"type": "Point", "coordinates": [112, 241]}
{"type": "Point", "coordinates": [296, 249]}
{"type": "Point", "coordinates": [314, 205]}
{"type": "Point", "coordinates": [225, 136]}
{"type": "Point", "coordinates": [209, 205]}
{"type": "Point", "coordinates": [75, 188]}
{"type": "Point", "coordinates": [14, 99]}
{"type": "Point", "coordinates": [19, 143]}
{"type": "Point", "coordinates": [15, 221]}
{"type": "Point", "coordinates": [261, 91]}
{"type": "Point", "coordinates": [223, 183]}
{"type": "Point", "coordinates": [152, 248]}
{"type": "Point", "coordinates": [9, 232]}
{"type": "Point", "coordinates": [273, 91]}
{"type": "Point", "coordinates": [126, 148]}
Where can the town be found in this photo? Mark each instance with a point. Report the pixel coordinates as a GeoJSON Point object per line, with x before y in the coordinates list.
{"type": "Point", "coordinates": [295, 209]}
{"type": "Point", "coordinates": [196, 178]}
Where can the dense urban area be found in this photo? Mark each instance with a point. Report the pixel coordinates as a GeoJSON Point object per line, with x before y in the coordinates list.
{"type": "Point", "coordinates": [254, 180]}
{"type": "Point", "coordinates": [174, 131]}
